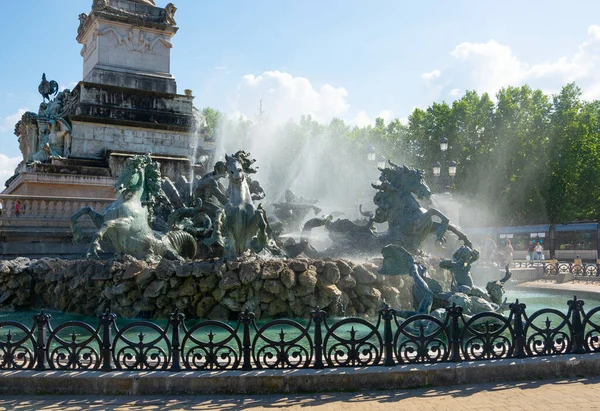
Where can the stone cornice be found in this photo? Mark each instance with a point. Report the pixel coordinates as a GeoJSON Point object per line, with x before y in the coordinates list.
{"type": "Point", "coordinates": [149, 117]}
{"type": "Point", "coordinates": [156, 18]}
{"type": "Point", "coordinates": [141, 92]}
{"type": "Point", "coordinates": [132, 123]}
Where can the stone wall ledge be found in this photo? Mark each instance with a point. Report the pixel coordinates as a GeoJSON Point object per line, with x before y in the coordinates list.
{"type": "Point", "coordinates": [57, 178]}
{"type": "Point", "coordinates": [34, 207]}
{"type": "Point", "coordinates": [296, 381]}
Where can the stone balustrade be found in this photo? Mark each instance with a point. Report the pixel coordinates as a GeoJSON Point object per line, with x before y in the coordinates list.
{"type": "Point", "coordinates": [46, 207]}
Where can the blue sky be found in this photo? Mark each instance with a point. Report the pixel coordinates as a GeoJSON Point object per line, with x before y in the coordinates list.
{"type": "Point", "coordinates": [344, 58]}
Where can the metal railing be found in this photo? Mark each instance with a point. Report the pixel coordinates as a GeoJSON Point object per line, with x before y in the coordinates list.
{"type": "Point", "coordinates": [579, 270]}
{"type": "Point", "coordinates": [549, 268]}
{"type": "Point", "coordinates": [287, 344]}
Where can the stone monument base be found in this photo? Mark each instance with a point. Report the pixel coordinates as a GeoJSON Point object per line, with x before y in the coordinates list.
{"type": "Point", "coordinates": [50, 193]}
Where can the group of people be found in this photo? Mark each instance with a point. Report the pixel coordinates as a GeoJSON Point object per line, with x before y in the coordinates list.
{"type": "Point", "coordinates": [491, 254]}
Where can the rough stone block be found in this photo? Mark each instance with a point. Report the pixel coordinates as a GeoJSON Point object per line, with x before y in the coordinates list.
{"type": "Point", "coordinates": [271, 270]}
{"type": "Point", "coordinates": [188, 288]}
{"type": "Point", "coordinates": [344, 267]}
{"type": "Point", "coordinates": [229, 281]}
{"type": "Point", "coordinates": [298, 265]}
{"type": "Point", "coordinates": [274, 287]}
{"type": "Point", "coordinates": [204, 307]}
{"type": "Point", "coordinates": [248, 273]}
{"type": "Point", "coordinates": [364, 276]}
{"type": "Point", "coordinates": [331, 272]}
{"type": "Point", "coordinates": [288, 277]}
{"type": "Point", "coordinates": [156, 288]}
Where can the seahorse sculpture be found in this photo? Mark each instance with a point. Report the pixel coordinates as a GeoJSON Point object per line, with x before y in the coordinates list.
{"type": "Point", "coordinates": [125, 222]}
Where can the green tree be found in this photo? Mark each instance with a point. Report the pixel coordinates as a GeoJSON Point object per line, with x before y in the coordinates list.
{"type": "Point", "coordinates": [214, 119]}
{"type": "Point", "coordinates": [518, 178]}
{"type": "Point", "coordinates": [574, 157]}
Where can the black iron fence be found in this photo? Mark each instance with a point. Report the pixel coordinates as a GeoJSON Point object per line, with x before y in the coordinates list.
{"type": "Point", "coordinates": [287, 344]}
{"type": "Point", "coordinates": [582, 270]}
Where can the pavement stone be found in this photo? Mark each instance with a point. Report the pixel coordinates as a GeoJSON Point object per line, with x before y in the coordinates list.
{"type": "Point", "coordinates": [590, 286]}
{"type": "Point", "coordinates": [571, 394]}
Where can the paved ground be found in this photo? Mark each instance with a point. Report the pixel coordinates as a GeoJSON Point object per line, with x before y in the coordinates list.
{"type": "Point", "coordinates": [579, 286]}
{"type": "Point", "coordinates": [565, 394]}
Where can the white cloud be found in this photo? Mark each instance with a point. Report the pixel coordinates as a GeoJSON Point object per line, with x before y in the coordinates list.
{"type": "Point", "coordinates": [386, 115]}
{"type": "Point", "coordinates": [9, 122]}
{"type": "Point", "coordinates": [287, 97]}
{"type": "Point", "coordinates": [487, 67]}
{"type": "Point", "coordinates": [362, 119]}
{"type": "Point", "coordinates": [7, 168]}
{"type": "Point", "coordinates": [454, 92]}
{"type": "Point", "coordinates": [429, 77]}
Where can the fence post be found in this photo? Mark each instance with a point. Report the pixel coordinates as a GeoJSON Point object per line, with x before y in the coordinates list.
{"type": "Point", "coordinates": [246, 318]}
{"type": "Point", "coordinates": [175, 320]}
{"type": "Point", "coordinates": [107, 320]}
{"type": "Point", "coordinates": [576, 309]}
{"type": "Point", "coordinates": [517, 310]}
{"type": "Point", "coordinates": [387, 314]}
{"type": "Point", "coordinates": [578, 268]}
{"type": "Point", "coordinates": [318, 317]}
{"type": "Point", "coordinates": [41, 321]}
{"type": "Point", "coordinates": [455, 312]}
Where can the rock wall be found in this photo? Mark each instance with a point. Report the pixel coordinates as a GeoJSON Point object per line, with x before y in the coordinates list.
{"type": "Point", "coordinates": [201, 289]}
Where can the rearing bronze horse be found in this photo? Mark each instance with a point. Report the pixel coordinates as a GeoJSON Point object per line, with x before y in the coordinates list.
{"type": "Point", "coordinates": [240, 225]}
{"type": "Point", "coordinates": [408, 223]}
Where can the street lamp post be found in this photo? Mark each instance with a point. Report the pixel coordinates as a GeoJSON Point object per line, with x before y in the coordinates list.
{"type": "Point", "coordinates": [371, 154]}
{"type": "Point", "coordinates": [445, 174]}
{"type": "Point", "coordinates": [374, 158]}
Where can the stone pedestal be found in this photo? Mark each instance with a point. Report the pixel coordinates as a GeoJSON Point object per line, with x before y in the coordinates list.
{"type": "Point", "coordinates": [128, 44]}
{"type": "Point", "coordinates": [127, 104]}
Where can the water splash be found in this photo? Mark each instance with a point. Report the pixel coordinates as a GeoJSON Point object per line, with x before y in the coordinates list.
{"type": "Point", "coordinates": [313, 165]}
{"type": "Point", "coordinates": [196, 140]}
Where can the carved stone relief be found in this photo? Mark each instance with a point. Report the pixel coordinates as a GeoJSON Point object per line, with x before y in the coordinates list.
{"type": "Point", "coordinates": [136, 39]}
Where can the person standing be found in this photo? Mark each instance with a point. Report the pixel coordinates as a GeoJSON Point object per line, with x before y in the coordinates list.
{"type": "Point", "coordinates": [539, 251]}
{"type": "Point", "coordinates": [489, 248]}
{"type": "Point", "coordinates": [508, 253]}
{"type": "Point", "coordinates": [18, 208]}
{"type": "Point", "coordinates": [531, 250]}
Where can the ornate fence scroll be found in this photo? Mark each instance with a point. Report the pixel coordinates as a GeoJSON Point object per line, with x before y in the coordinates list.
{"type": "Point", "coordinates": [319, 342]}
{"type": "Point", "coordinates": [577, 269]}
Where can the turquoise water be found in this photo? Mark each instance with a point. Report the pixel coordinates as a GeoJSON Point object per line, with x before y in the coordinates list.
{"type": "Point", "coordinates": [535, 300]}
